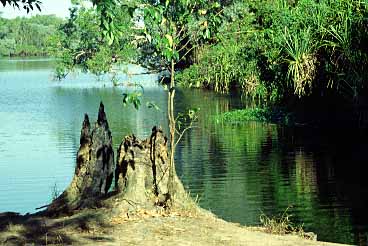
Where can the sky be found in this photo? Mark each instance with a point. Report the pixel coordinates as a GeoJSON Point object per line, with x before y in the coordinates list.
{"type": "Point", "coordinates": [57, 7]}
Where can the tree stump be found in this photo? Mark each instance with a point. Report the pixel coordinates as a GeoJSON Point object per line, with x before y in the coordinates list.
{"type": "Point", "coordinates": [94, 168]}
{"type": "Point", "coordinates": [142, 172]}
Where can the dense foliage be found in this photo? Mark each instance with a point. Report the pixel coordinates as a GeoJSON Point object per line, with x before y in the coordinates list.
{"type": "Point", "coordinates": [277, 51]}
{"type": "Point", "coordinates": [27, 36]}
{"type": "Point", "coordinates": [142, 27]}
{"type": "Point", "coordinates": [266, 49]}
{"type": "Point", "coordinates": [265, 114]}
{"type": "Point", "coordinates": [274, 49]}
{"type": "Point", "coordinates": [80, 42]}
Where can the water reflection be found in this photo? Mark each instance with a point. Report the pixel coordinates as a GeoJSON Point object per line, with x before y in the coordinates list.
{"type": "Point", "coordinates": [242, 171]}
{"type": "Point", "coordinates": [26, 64]}
{"type": "Point", "coordinates": [239, 171]}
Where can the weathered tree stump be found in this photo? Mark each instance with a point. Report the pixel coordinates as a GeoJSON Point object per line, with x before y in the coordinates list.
{"type": "Point", "coordinates": [94, 168]}
{"type": "Point", "coordinates": [142, 172]}
{"type": "Point", "coordinates": [142, 175]}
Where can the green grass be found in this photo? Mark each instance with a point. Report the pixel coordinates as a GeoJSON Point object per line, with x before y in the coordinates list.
{"type": "Point", "coordinates": [266, 114]}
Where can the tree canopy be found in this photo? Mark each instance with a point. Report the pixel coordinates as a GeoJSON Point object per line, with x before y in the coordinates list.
{"type": "Point", "coordinates": [27, 5]}
{"type": "Point", "coordinates": [81, 43]}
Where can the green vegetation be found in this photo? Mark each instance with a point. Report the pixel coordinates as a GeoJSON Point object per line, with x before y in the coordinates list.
{"type": "Point", "coordinates": [27, 36]}
{"type": "Point", "coordinates": [285, 52]}
{"type": "Point", "coordinates": [82, 41]}
{"type": "Point", "coordinates": [277, 49]}
{"type": "Point", "coordinates": [266, 114]}
{"type": "Point", "coordinates": [292, 53]}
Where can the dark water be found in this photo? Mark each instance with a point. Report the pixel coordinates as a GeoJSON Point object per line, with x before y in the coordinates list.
{"type": "Point", "coordinates": [238, 172]}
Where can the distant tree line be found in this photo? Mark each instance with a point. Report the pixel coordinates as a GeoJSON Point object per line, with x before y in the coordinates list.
{"type": "Point", "coordinates": [27, 36]}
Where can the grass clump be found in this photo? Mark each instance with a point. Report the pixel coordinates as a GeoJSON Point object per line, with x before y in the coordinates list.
{"type": "Point", "coordinates": [266, 114]}
{"type": "Point", "coordinates": [282, 225]}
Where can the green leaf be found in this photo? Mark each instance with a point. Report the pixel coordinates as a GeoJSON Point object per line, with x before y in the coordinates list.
{"type": "Point", "coordinates": [168, 54]}
{"type": "Point", "coordinates": [110, 39]}
{"type": "Point", "coordinates": [169, 39]}
{"type": "Point", "coordinates": [176, 55]}
{"type": "Point", "coordinates": [132, 98]}
{"type": "Point", "coordinates": [207, 33]}
{"type": "Point", "coordinates": [153, 105]}
{"type": "Point", "coordinates": [137, 103]}
{"type": "Point", "coordinates": [106, 25]}
{"type": "Point", "coordinates": [125, 99]}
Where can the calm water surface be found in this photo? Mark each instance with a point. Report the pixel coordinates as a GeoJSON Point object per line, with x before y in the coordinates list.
{"type": "Point", "coordinates": [238, 171]}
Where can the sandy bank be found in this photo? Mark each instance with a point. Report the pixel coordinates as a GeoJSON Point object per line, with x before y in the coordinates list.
{"type": "Point", "coordinates": [109, 227]}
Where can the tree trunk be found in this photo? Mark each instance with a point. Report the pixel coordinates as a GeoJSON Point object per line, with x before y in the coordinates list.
{"type": "Point", "coordinates": [172, 126]}
{"type": "Point", "coordinates": [94, 170]}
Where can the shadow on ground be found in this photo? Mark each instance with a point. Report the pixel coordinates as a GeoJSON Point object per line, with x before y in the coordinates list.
{"type": "Point", "coordinates": [34, 229]}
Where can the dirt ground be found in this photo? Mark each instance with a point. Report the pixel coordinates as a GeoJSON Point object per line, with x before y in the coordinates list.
{"type": "Point", "coordinates": [109, 227]}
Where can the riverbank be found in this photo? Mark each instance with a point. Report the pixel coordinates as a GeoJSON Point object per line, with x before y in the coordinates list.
{"type": "Point", "coordinates": [111, 226]}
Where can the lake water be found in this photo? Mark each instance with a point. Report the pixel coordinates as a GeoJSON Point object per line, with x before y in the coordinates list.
{"type": "Point", "coordinates": [238, 171]}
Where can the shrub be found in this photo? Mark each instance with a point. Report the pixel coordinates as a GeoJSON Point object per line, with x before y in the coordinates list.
{"type": "Point", "coordinates": [277, 49]}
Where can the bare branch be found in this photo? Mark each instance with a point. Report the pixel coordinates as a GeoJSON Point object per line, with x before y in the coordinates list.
{"type": "Point", "coordinates": [184, 46]}
{"type": "Point", "coordinates": [195, 46]}
{"type": "Point", "coordinates": [181, 30]}
{"type": "Point", "coordinates": [182, 133]}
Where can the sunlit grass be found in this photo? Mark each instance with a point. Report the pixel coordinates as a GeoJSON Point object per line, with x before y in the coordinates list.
{"type": "Point", "coordinates": [301, 60]}
{"type": "Point", "coordinates": [282, 225]}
